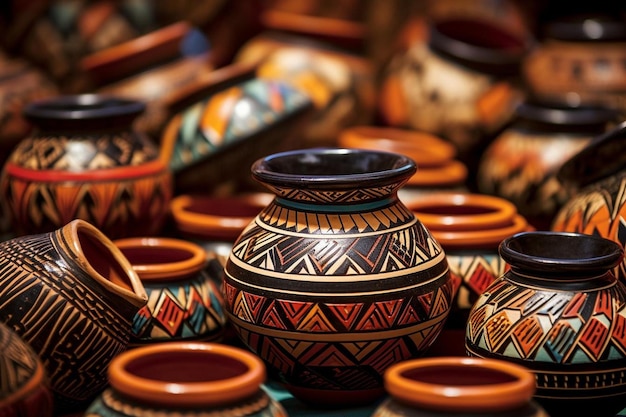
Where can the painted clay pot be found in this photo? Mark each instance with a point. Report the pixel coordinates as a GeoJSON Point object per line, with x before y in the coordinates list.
{"type": "Point", "coordinates": [309, 53]}
{"type": "Point", "coordinates": [85, 161]}
{"type": "Point", "coordinates": [184, 300]}
{"type": "Point", "coordinates": [226, 123]}
{"type": "Point", "coordinates": [560, 312]}
{"type": "Point", "coordinates": [186, 378]}
{"type": "Point", "coordinates": [151, 68]}
{"type": "Point", "coordinates": [596, 178]}
{"type": "Point", "coordinates": [457, 79]}
{"type": "Point", "coordinates": [470, 228]}
{"type": "Point", "coordinates": [25, 387]}
{"type": "Point", "coordinates": [71, 295]}
{"type": "Point", "coordinates": [335, 274]}
{"type": "Point", "coordinates": [579, 60]}
{"type": "Point", "coordinates": [522, 162]}
{"type": "Point", "coordinates": [438, 168]}
{"type": "Point", "coordinates": [457, 386]}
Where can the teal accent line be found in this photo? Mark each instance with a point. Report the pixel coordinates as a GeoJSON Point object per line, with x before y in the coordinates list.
{"type": "Point", "coordinates": [334, 208]}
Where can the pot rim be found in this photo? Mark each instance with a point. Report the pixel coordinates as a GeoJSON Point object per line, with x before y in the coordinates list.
{"type": "Point", "coordinates": [265, 169]}
{"type": "Point", "coordinates": [449, 173]}
{"type": "Point", "coordinates": [560, 114]}
{"type": "Point", "coordinates": [586, 29]}
{"type": "Point", "coordinates": [450, 397]}
{"type": "Point", "coordinates": [209, 393]}
{"type": "Point", "coordinates": [157, 271]}
{"type": "Point", "coordinates": [83, 107]}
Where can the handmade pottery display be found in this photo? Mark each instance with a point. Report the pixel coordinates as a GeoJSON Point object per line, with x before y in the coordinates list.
{"type": "Point", "coordinates": [306, 52]}
{"type": "Point", "coordinates": [457, 79]}
{"type": "Point", "coordinates": [184, 301]}
{"type": "Point", "coordinates": [226, 123]}
{"type": "Point", "coordinates": [186, 378]}
{"type": "Point", "coordinates": [470, 228]}
{"type": "Point", "coordinates": [596, 178]}
{"type": "Point", "coordinates": [71, 295]}
{"type": "Point", "coordinates": [336, 279]}
{"type": "Point", "coordinates": [151, 68]}
{"type": "Point", "coordinates": [579, 60]}
{"type": "Point", "coordinates": [521, 163]}
{"type": "Point", "coordinates": [458, 386]}
{"type": "Point", "coordinates": [25, 387]}
{"type": "Point", "coordinates": [438, 169]}
{"type": "Point", "coordinates": [560, 312]}
{"type": "Point", "coordinates": [84, 160]}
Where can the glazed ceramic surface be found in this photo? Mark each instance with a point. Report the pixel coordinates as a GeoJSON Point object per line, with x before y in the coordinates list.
{"type": "Point", "coordinates": [521, 164]}
{"type": "Point", "coordinates": [186, 379]}
{"type": "Point", "coordinates": [71, 295]}
{"type": "Point", "coordinates": [85, 161]}
{"type": "Point", "coordinates": [336, 279]}
{"type": "Point", "coordinates": [459, 386]}
{"type": "Point", "coordinates": [597, 180]}
{"type": "Point", "coordinates": [184, 301]}
{"type": "Point", "coordinates": [24, 386]}
{"type": "Point", "coordinates": [560, 312]}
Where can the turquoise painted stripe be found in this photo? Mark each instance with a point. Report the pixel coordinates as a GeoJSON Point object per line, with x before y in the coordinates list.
{"type": "Point", "coordinates": [334, 208]}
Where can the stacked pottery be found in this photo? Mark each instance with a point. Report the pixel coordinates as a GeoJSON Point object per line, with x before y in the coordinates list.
{"type": "Point", "coordinates": [184, 300]}
{"type": "Point", "coordinates": [225, 123]}
{"type": "Point", "coordinates": [457, 81]}
{"type": "Point", "coordinates": [470, 228]}
{"type": "Point", "coordinates": [596, 178]}
{"type": "Point", "coordinates": [521, 164]}
{"type": "Point", "coordinates": [560, 312]}
{"type": "Point", "coordinates": [458, 386]}
{"type": "Point", "coordinates": [71, 295]}
{"type": "Point", "coordinates": [336, 279]}
{"type": "Point", "coordinates": [306, 52]}
{"type": "Point", "coordinates": [151, 68]}
{"type": "Point", "coordinates": [186, 378]}
{"type": "Point", "coordinates": [84, 160]}
{"type": "Point", "coordinates": [438, 168]}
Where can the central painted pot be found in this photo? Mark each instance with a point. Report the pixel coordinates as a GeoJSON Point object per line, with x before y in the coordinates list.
{"type": "Point", "coordinates": [335, 280]}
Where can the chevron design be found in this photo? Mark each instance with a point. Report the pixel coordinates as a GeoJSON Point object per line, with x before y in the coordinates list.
{"type": "Point", "coordinates": [475, 272]}
{"type": "Point", "coordinates": [189, 309]}
{"type": "Point", "coordinates": [599, 209]}
{"type": "Point", "coordinates": [348, 196]}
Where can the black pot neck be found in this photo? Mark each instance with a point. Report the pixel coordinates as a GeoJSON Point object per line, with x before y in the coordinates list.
{"type": "Point", "coordinates": [586, 28]}
{"type": "Point", "coordinates": [83, 113]}
{"type": "Point", "coordinates": [556, 117]}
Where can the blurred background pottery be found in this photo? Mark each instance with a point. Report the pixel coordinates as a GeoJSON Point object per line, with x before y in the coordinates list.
{"type": "Point", "coordinates": [596, 178]}
{"type": "Point", "coordinates": [336, 279]}
{"type": "Point", "coordinates": [470, 228]}
{"type": "Point", "coordinates": [184, 300]}
{"type": "Point", "coordinates": [151, 68]}
{"type": "Point", "coordinates": [521, 163]}
{"type": "Point", "coordinates": [186, 378]}
{"type": "Point", "coordinates": [225, 123]}
{"type": "Point", "coordinates": [559, 311]}
{"type": "Point", "coordinates": [458, 386]}
{"type": "Point", "coordinates": [25, 387]}
{"type": "Point", "coordinates": [84, 160]}
{"type": "Point", "coordinates": [71, 295]}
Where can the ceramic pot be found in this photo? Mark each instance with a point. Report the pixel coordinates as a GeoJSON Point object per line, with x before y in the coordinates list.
{"type": "Point", "coordinates": [470, 228]}
{"type": "Point", "coordinates": [579, 60]}
{"type": "Point", "coordinates": [186, 378]}
{"type": "Point", "coordinates": [438, 168]}
{"type": "Point", "coordinates": [25, 386]}
{"type": "Point", "coordinates": [335, 273]}
{"type": "Point", "coordinates": [560, 312]}
{"type": "Point", "coordinates": [457, 79]}
{"type": "Point", "coordinates": [306, 52]}
{"type": "Point", "coordinates": [522, 162]}
{"type": "Point", "coordinates": [151, 68]}
{"type": "Point", "coordinates": [184, 301]}
{"type": "Point", "coordinates": [85, 161]}
{"type": "Point", "coordinates": [596, 178]}
{"type": "Point", "coordinates": [458, 386]}
{"type": "Point", "coordinates": [225, 124]}
{"type": "Point", "coordinates": [71, 295]}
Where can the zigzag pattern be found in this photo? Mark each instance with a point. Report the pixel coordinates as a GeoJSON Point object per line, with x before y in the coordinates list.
{"type": "Point", "coordinates": [191, 309]}
{"type": "Point", "coordinates": [18, 363]}
{"type": "Point", "coordinates": [350, 195]}
{"type": "Point", "coordinates": [474, 272]}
